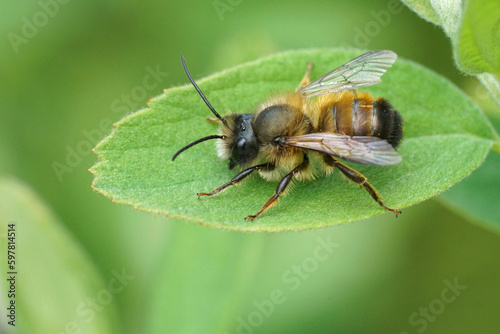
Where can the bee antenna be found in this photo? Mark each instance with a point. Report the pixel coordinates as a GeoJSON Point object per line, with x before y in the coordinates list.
{"type": "Point", "coordinates": [200, 92]}
{"type": "Point", "coordinates": [197, 142]}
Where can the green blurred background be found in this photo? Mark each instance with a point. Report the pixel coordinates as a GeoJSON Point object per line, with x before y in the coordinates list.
{"type": "Point", "coordinates": [84, 67]}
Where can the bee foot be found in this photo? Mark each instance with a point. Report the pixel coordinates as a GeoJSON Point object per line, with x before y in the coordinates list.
{"type": "Point", "coordinates": [396, 212]}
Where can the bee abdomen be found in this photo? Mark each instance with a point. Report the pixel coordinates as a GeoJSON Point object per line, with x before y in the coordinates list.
{"type": "Point", "coordinates": [387, 123]}
{"type": "Point", "coordinates": [352, 115]}
{"type": "Point", "coordinates": [362, 115]}
{"type": "Point", "coordinates": [359, 115]}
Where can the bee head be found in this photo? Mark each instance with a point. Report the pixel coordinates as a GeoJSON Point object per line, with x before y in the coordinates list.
{"type": "Point", "coordinates": [240, 145]}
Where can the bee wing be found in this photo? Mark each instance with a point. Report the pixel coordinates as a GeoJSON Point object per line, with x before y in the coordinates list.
{"type": "Point", "coordinates": [360, 149]}
{"type": "Point", "coordinates": [363, 71]}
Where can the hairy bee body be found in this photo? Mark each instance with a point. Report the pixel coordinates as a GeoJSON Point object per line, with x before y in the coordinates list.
{"type": "Point", "coordinates": [291, 115]}
{"type": "Point", "coordinates": [279, 137]}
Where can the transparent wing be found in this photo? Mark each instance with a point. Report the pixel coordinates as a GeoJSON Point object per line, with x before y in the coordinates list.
{"type": "Point", "coordinates": [360, 149]}
{"type": "Point", "coordinates": [363, 71]}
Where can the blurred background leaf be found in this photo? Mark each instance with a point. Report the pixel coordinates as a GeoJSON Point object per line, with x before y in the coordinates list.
{"type": "Point", "coordinates": [477, 197]}
{"type": "Point", "coordinates": [474, 30]}
{"type": "Point", "coordinates": [83, 70]}
{"type": "Point", "coordinates": [478, 50]}
{"type": "Point", "coordinates": [57, 289]}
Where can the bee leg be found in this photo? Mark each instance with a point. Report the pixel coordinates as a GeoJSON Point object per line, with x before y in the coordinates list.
{"type": "Point", "coordinates": [212, 120]}
{"type": "Point", "coordinates": [305, 80]}
{"type": "Point", "coordinates": [238, 177]}
{"type": "Point", "coordinates": [281, 187]}
{"type": "Point", "coordinates": [359, 179]}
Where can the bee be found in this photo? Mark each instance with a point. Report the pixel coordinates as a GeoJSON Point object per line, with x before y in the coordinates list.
{"type": "Point", "coordinates": [340, 123]}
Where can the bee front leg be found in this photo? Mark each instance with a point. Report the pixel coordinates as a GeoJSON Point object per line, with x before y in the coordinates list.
{"type": "Point", "coordinates": [213, 120]}
{"type": "Point", "coordinates": [281, 187]}
{"type": "Point", "coordinates": [238, 177]}
{"type": "Point", "coordinates": [359, 179]}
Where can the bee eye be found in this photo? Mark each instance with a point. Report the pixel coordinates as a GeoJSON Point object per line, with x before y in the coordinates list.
{"type": "Point", "coordinates": [241, 144]}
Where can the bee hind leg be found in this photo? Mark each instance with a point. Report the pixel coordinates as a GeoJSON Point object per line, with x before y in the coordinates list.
{"type": "Point", "coordinates": [285, 181]}
{"type": "Point", "coordinates": [238, 177]}
{"type": "Point", "coordinates": [359, 179]}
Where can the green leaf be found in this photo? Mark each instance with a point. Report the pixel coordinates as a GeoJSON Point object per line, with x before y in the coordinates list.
{"type": "Point", "coordinates": [55, 279]}
{"type": "Point", "coordinates": [446, 137]}
{"type": "Point", "coordinates": [424, 9]}
{"type": "Point", "coordinates": [474, 30]}
{"type": "Point", "coordinates": [478, 196]}
{"type": "Point", "coordinates": [477, 46]}
{"type": "Point", "coordinates": [476, 49]}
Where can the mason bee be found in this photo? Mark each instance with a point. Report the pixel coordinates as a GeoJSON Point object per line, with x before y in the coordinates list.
{"type": "Point", "coordinates": [281, 135]}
